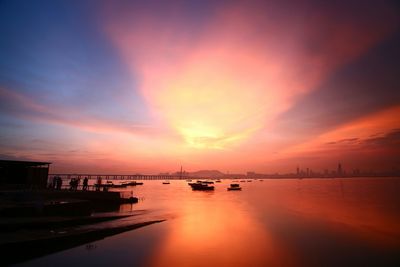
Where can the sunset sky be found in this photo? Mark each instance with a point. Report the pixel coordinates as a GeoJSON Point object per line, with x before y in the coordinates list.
{"type": "Point", "coordinates": [147, 86]}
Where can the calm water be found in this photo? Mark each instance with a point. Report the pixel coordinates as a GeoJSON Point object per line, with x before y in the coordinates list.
{"type": "Point", "coordinates": [315, 222]}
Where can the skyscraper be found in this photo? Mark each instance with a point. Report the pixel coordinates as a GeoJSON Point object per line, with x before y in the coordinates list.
{"type": "Point", "coordinates": [339, 169]}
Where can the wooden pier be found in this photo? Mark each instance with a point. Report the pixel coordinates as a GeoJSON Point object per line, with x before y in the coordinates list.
{"type": "Point", "coordinates": [121, 177]}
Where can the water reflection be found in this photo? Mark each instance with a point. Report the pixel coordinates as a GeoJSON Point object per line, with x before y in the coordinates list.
{"type": "Point", "coordinates": [221, 234]}
{"type": "Point", "coordinates": [369, 206]}
{"type": "Point", "coordinates": [329, 222]}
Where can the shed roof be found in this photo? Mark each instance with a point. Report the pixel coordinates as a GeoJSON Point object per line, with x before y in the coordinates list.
{"type": "Point", "coordinates": [18, 163]}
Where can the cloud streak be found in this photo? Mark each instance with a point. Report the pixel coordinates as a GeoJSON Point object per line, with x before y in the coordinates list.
{"type": "Point", "coordinates": [372, 141]}
{"type": "Point", "coordinates": [24, 107]}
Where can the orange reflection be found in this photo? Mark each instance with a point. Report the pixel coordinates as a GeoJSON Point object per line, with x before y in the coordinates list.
{"type": "Point", "coordinates": [365, 209]}
{"type": "Point", "coordinates": [286, 222]}
{"type": "Point", "coordinates": [222, 233]}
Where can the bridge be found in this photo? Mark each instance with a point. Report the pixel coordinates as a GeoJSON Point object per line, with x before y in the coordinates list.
{"type": "Point", "coordinates": [68, 176]}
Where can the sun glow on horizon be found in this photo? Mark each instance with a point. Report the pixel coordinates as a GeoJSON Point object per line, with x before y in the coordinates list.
{"type": "Point", "coordinates": [217, 89]}
{"type": "Point", "coordinates": [210, 110]}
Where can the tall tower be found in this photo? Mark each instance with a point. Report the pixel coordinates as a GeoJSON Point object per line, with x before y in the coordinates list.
{"type": "Point", "coordinates": [298, 171]}
{"type": "Point", "coordinates": [339, 169]}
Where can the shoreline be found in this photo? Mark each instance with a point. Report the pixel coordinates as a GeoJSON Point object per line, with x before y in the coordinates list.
{"type": "Point", "coordinates": [49, 240]}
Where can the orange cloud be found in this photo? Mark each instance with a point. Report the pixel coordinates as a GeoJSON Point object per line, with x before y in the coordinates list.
{"type": "Point", "coordinates": [375, 135]}
{"type": "Point", "coordinates": [243, 69]}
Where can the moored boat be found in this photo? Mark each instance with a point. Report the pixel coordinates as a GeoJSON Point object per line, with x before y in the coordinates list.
{"type": "Point", "coordinates": [119, 185]}
{"type": "Point", "coordinates": [194, 183]}
{"type": "Point", "coordinates": [201, 186]}
{"type": "Point", "coordinates": [234, 187]}
{"type": "Point", "coordinates": [133, 183]}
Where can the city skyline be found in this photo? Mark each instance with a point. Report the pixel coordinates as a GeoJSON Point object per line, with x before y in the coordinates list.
{"type": "Point", "coordinates": [305, 172]}
{"type": "Point", "coordinates": [146, 86]}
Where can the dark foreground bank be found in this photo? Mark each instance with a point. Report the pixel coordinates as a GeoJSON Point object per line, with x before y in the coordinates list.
{"type": "Point", "coordinates": [34, 223]}
{"type": "Point", "coordinates": [31, 244]}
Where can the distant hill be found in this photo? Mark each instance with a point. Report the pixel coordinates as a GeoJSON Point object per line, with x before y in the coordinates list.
{"type": "Point", "coordinates": [207, 173]}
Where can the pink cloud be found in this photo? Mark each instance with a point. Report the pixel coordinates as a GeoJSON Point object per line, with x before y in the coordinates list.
{"type": "Point", "coordinates": [370, 142]}
{"type": "Point", "coordinates": [246, 65]}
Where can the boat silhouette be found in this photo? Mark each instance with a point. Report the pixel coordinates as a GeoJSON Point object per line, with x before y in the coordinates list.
{"type": "Point", "coordinates": [234, 187]}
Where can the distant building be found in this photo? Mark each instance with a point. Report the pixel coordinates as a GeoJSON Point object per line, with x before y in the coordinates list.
{"type": "Point", "coordinates": [23, 174]}
{"type": "Point", "coordinates": [339, 169]}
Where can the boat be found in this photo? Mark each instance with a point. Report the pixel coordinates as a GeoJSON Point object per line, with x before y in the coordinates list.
{"type": "Point", "coordinates": [249, 181]}
{"type": "Point", "coordinates": [208, 182]}
{"type": "Point", "coordinates": [119, 185]}
{"type": "Point", "coordinates": [166, 182]}
{"type": "Point", "coordinates": [201, 186]}
{"type": "Point", "coordinates": [108, 184]}
{"type": "Point", "coordinates": [194, 183]}
{"type": "Point", "coordinates": [133, 183]}
{"type": "Point", "coordinates": [218, 181]}
{"type": "Point", "coordinates": [234, 187]}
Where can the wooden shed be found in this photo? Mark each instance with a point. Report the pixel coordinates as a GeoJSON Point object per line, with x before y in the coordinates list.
{"type": "Point", "coordinates": [31, 174]}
